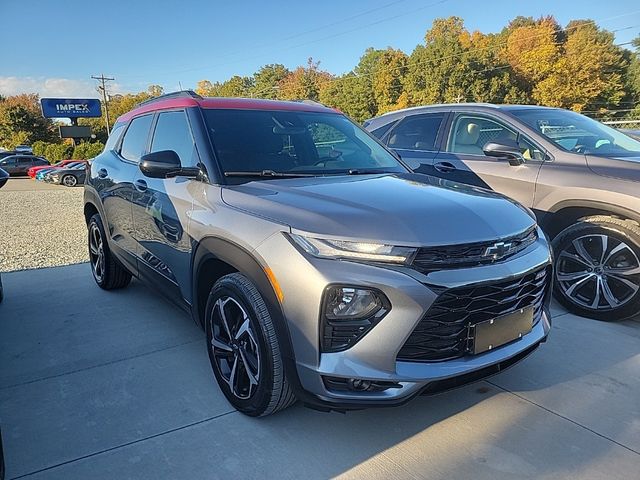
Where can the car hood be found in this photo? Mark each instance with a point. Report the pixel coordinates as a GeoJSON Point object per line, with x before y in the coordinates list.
{"type": "Point", "coordinates": [625, 168]}
{"type": "Point", "coordinates": [400, 209]}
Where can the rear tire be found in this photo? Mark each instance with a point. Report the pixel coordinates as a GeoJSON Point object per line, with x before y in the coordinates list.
{"type": "Point", "coordinates": [107, 271]}
{"type": "Point", "coordinates": [243, 348]}
{"type": "Point", "coordinates": [597, 268]}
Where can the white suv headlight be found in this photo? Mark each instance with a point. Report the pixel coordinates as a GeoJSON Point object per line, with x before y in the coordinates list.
{"type": "Point", "coordinates": [336, 249]}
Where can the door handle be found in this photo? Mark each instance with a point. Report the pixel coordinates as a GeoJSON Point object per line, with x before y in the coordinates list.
{"type": "Point", "coordinates": [445, 167]}
{"type": "Point", "coordinates": [140, 185]}
{"type": "Point", "coordinates": [102, 173]}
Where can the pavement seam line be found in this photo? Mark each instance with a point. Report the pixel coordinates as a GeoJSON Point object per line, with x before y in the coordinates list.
{"type": "Point", "coordinates": [112, 362]}
{"type": "Point", "coordinates": [563, 417]}
{"type": "Point", "coordinates": [126, 444]}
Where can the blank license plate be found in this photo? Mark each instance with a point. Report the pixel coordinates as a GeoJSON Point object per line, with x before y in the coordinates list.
{"type": "Point", "coordinates": [504, 329]}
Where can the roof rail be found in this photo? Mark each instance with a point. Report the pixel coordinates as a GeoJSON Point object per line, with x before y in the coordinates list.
{"type": "Point", "coordinates": [307, 101]}
{"type": "Point", "coordinates": [167, 96]}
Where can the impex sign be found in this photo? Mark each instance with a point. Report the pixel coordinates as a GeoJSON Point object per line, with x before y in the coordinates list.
{"type": "Point", "coordinates": [70, 107]}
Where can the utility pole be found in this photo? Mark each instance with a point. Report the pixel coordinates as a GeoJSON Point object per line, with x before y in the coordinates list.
{"type": "Point", "coordinates": [102, 79]}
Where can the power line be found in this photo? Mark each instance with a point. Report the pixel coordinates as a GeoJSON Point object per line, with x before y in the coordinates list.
{"type": "Point", "coordinates": [263, 46]}
{"type": "Point", "coordinates": [103, 80]}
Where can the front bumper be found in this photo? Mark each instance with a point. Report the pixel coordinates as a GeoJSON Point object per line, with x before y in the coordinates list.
{"type": "Point", "coordinates": [373, 357]}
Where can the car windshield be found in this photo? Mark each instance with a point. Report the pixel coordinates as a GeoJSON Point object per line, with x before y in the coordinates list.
{"type": "Point", "coordinates": [576, 133]}
{"type": "Point", "coordinates": [285, 143]}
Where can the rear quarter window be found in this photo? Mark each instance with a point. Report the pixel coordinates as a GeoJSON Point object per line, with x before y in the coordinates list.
{"type": "Point", "coordinates": [114, 136]}
{"type": "Point", "coordinates": [134, 143]}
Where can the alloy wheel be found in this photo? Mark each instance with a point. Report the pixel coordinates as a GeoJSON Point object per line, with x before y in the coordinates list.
{"type": "Point", "coordinates": [69, 181]}
{"type": "Point", "coordinates": [234, 347]}
{"type": "Point", "coordinates": [598, 272]}
{"type": "Point", "coordinates": [96, 252]}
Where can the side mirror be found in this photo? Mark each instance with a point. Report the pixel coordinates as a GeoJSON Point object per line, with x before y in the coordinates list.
{"type": "Point", "coordinates": [507, 149]}
{"type": "Point", "coordinates": [165, 164]}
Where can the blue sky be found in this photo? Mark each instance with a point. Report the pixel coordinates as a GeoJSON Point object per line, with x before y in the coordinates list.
{"type": "Point", "coordinates": [60, 44]}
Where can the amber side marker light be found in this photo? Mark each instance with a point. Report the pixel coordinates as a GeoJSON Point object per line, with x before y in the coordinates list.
{"type": "Point", "coordinates": [274, 284]}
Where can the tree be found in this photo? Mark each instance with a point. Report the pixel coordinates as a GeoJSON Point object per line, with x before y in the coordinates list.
{"type": "Point", "coordinates": [155, 90]}
{"type": "Point", "coordinates": [633, 77]}
{"type": "Point", "coordinates": [439, 71]}
{"type": "Point", "coordinates": [348, 93]}
{"type": "Point", "coordinates": [533, 49]}
{"type": "Point", "coordinates": [304, 82]}
{"type": "Point", "coordinates": [388, 81]}
{"type": "Point", "coordinates": [236, 86]}
{"type": "Point", "coordinates": [207, 89]}
{"type": "Point", "coordinates": [266, 81]}
{"type": "Point", "coordinates": [21, 121]}
{"type": "Point", "coordinates": [589, 72]}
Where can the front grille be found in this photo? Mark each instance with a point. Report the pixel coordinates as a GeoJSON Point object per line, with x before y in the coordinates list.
{"type": "Point", "coordinates": [445, 331]}
{"type": "Point", "coordinates": [472, 254]}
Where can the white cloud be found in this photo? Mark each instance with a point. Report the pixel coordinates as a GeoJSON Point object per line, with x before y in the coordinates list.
{"type": "Point", "coordinates": [53, 87]}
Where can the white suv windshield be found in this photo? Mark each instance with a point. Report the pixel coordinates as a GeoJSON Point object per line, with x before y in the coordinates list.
{"type": "Point", "coordinates": [576, 133]}
{"type": "Point", "coordinates": [294, 143]}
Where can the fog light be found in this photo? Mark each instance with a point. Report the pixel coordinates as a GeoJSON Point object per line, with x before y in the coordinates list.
{"type": "Point", "coordinates": [348, 313]}
{"type": "Point", "coordinates": [359, 385]}
{"type": "Point", "coordinates": [347, 302]}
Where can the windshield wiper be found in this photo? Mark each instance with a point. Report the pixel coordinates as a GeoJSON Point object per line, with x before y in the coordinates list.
{"type": "Point", "coordinates": [269, 174]}
{"type": "Point", "coordinates": [358, 171]}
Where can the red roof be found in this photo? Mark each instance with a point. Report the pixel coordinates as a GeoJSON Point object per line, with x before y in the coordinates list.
{"type": "Point", "coordinates": [225, 103]}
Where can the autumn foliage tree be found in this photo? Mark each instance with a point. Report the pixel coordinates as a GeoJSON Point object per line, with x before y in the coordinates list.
{"type": "Point", "coordinates": [21, 121]}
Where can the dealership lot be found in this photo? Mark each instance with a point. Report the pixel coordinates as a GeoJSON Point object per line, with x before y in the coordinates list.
{"type": "Point", "coordinates": [98, 384]}
{"type": "Point", "coordinates": [41, 225]}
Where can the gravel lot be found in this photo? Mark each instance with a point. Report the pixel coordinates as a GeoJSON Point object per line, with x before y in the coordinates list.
{"type": "Point", "coordinates": [40, 226]}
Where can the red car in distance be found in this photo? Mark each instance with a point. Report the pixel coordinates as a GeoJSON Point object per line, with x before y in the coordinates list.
{"type": "Point", "coordinates": [33, 170]}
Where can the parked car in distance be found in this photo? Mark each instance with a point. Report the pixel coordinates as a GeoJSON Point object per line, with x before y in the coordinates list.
{"type": "Point", "coordinates": [24, 149]}
{"type": "Point", "coordinates": [579, 176]}
{"type": "Point", "coordinates": [33, 170]}
{"type": "Point", "coordinates": [4, 177]}
{"type": "Point", "coordinates": [69, 176]}
{"type": "Point", "coordinates": [41, 174]}
{"type": "Point", "coordinates": [632, 133]}
{"type": "Point", "coordinates": [18, 165]}
{"type": "Point", "coordinates": [6, 153]}
{"type": "Point", "coordinates": [318, 265]}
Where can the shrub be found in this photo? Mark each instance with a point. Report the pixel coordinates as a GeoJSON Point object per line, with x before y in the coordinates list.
{"type": "Point", "coordinates": [87, 151]}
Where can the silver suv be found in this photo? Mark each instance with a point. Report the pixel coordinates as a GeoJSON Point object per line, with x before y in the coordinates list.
{"type": "Point", "coordinates": [320, 268]}
{"type": "Point", "coordinates": [580, 177]}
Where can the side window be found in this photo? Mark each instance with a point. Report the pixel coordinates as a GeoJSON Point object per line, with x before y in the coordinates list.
{"type": "Point", "coordinates": [8, 162]}
{"type": "Point", "coordinates": [114, 136]}
{"type": "Point", "coordinates": [135, 139]}
{"type": "Point", "coordinates": [173, 133]}
{"type": "Point", "coordinates": [24, 161]}
{"type": "Point", "coordinates": [380, 131]}
{"type": "Point", "coordinates": [470, 134]}
{"type": "Point", "coordinates": [417, 132]}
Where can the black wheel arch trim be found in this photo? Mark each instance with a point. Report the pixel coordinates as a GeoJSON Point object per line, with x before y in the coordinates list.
{"type": "Point", "coordinates": [91, 197]}
{"type": "Point", "coordinates": [247, 264]}
{"type": "Point", "coordinates": [547, 218]}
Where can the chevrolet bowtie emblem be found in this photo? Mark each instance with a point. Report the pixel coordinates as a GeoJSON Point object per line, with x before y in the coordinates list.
{"type": "Point", "coordinates": [498, 250]}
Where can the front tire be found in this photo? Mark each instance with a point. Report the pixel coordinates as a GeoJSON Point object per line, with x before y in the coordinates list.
{"type": "Point", "coordinates": [597, 268]}
{"type": "Point", "coordinates": [243, 348]}
{"type": "Point", "coordinates": [108, 273]}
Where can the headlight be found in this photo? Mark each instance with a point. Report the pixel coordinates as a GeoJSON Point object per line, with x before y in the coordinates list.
{"type": "Point", "coordinates": [375, 252]}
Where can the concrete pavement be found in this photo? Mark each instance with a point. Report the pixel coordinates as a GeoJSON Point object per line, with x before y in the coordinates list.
{"type": "Point", "coordinates": [117, 385]}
